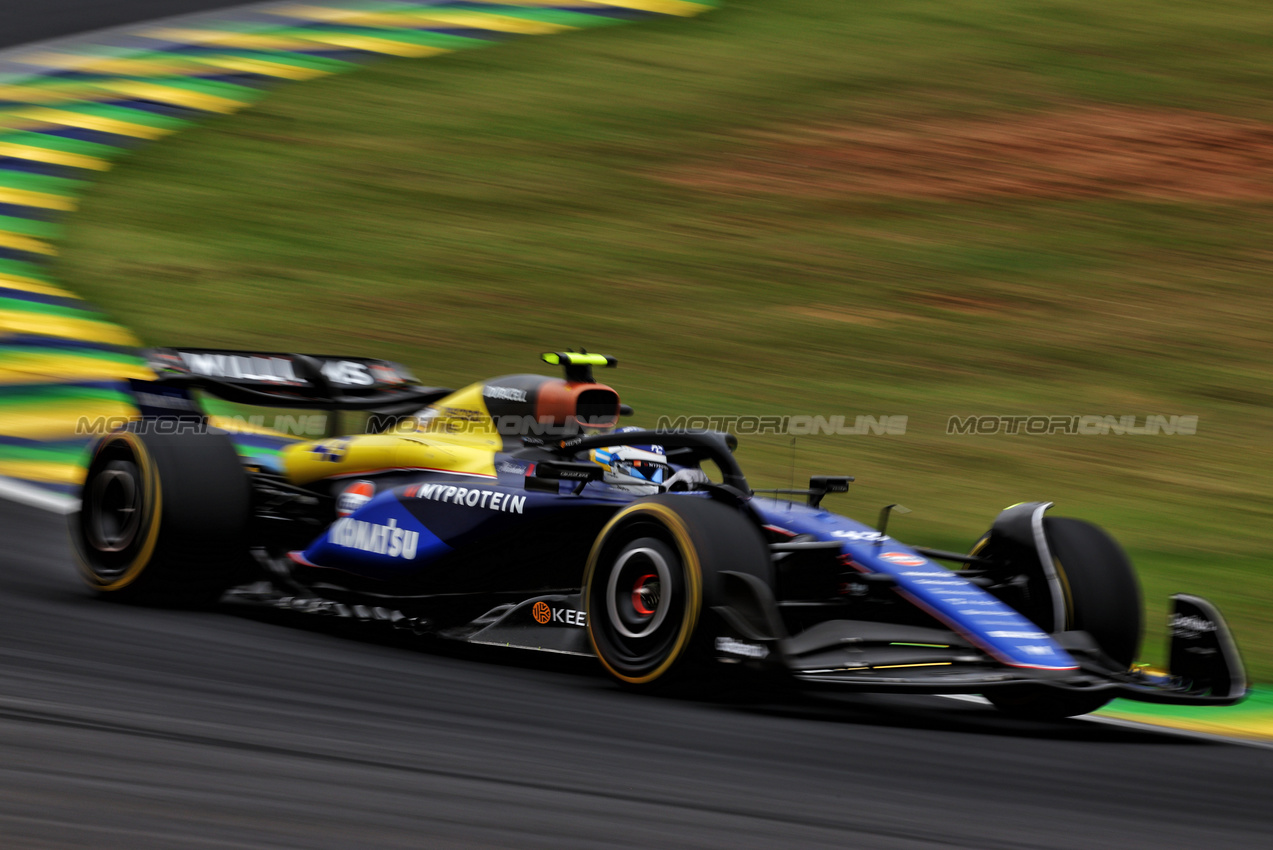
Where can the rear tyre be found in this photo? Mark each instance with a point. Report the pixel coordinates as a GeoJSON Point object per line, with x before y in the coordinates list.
{"type": "Point", "coordinates": [1102, 598]}
{"type": "Point", "coordinates": [164, 518]}
{"type": "Point", "coordinates": [652, 577]}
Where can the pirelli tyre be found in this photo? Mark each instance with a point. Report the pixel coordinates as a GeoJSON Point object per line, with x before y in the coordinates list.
{"type": "Point", "coordinates": [163, 518]}
{"type": "Point", "coordinates": [1101, 597]}
{"type": "Point", "coordinates": [652, 577]}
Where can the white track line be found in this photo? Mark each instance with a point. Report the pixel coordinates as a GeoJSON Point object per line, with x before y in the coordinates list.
{"type": "Point", "coordinates": [9, 55]}
{"type": "Point", "coordinates": [1183, 733]}
{"type": "Point", "coordinates": [13, 72]}
{"type": "Point", "coordinates": [37, 497]}
{"type": "Point", "coordinates": [127, 35]}
{"type": "Point", "coordinates": [1138, 725]}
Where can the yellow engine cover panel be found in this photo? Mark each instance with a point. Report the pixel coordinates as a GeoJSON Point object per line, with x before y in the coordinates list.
{"type": "Point", "coordinates": [367, 454]}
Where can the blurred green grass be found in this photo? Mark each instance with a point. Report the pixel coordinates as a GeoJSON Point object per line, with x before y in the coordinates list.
{"type": "Point", "coordinates": [465, 213]}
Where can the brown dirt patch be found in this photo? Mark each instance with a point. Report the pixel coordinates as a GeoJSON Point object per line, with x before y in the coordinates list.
{"type": "Point", "coordinates": [963, 304]}
{"type": "Point", "coordinates": [850, 316]}
{"type": "Point", "coordinates": [1097, 152]}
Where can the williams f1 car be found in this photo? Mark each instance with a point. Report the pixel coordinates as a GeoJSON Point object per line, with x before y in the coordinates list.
{"type": "Point", "coordinates": [516, 513]}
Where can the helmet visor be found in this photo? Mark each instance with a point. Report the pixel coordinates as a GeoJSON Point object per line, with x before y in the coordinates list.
{"type": "Point", "coordinates": [652, 471]}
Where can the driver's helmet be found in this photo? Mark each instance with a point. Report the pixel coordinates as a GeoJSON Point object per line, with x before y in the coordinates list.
{"type": "Point", "coordinates": [635, 469]}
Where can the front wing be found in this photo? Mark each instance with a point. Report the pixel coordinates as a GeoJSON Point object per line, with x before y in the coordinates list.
{"type": "Point", "coordinates": [852, 655]}
{"type": "Point", "coordinates": [1205, 667]}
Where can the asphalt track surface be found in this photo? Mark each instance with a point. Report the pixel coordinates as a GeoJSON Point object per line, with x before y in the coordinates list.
{"type": "Point", "coordinates": [22, 21]}
{"type": "Point", "coordinates": [140, 728]}
{"type": "Point", "coordinates": [132, 727]}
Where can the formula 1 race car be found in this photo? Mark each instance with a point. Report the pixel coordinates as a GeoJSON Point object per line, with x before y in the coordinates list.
{"type": "Point", "coordinates": [515, 513]}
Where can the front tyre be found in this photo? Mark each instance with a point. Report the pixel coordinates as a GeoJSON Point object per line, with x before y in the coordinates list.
{"type": "Point", "coordinates": [1102, 597]}
{"type": "Point", "coordinates": [163, 517]}
{"type": "Point", "coordinates": [653, 573]}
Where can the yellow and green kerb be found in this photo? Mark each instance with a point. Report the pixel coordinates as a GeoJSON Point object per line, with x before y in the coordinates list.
{"type": "Point", "coordinates": [80, 106]}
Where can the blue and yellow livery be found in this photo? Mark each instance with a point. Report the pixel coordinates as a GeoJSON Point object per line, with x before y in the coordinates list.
{"type": "Point", "coordinates": [514, 512]}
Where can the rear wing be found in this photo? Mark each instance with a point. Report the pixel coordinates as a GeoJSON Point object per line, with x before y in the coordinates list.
{"type": "Point", "coordinates": [272, 379]}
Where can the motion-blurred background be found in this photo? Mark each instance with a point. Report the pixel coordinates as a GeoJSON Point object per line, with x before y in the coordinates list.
{"type": "Point", "coordinates": [804, 207]}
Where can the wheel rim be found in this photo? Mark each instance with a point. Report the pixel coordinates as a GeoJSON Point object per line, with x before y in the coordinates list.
{"type": "Point", "coordinates": [640, 603]}
{"type": "Point", "coordinates": [643, 525]}
{"type": "Point", "coordinates": [114, 509]}
{"type": "Point", "coordinates": [638, 592]}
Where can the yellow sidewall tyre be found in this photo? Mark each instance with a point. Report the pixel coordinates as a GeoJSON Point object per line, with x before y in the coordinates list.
{"type": "Point", "coordinates": [163, 517]}
{"type": "Point", "coordinates": [650, 582]}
